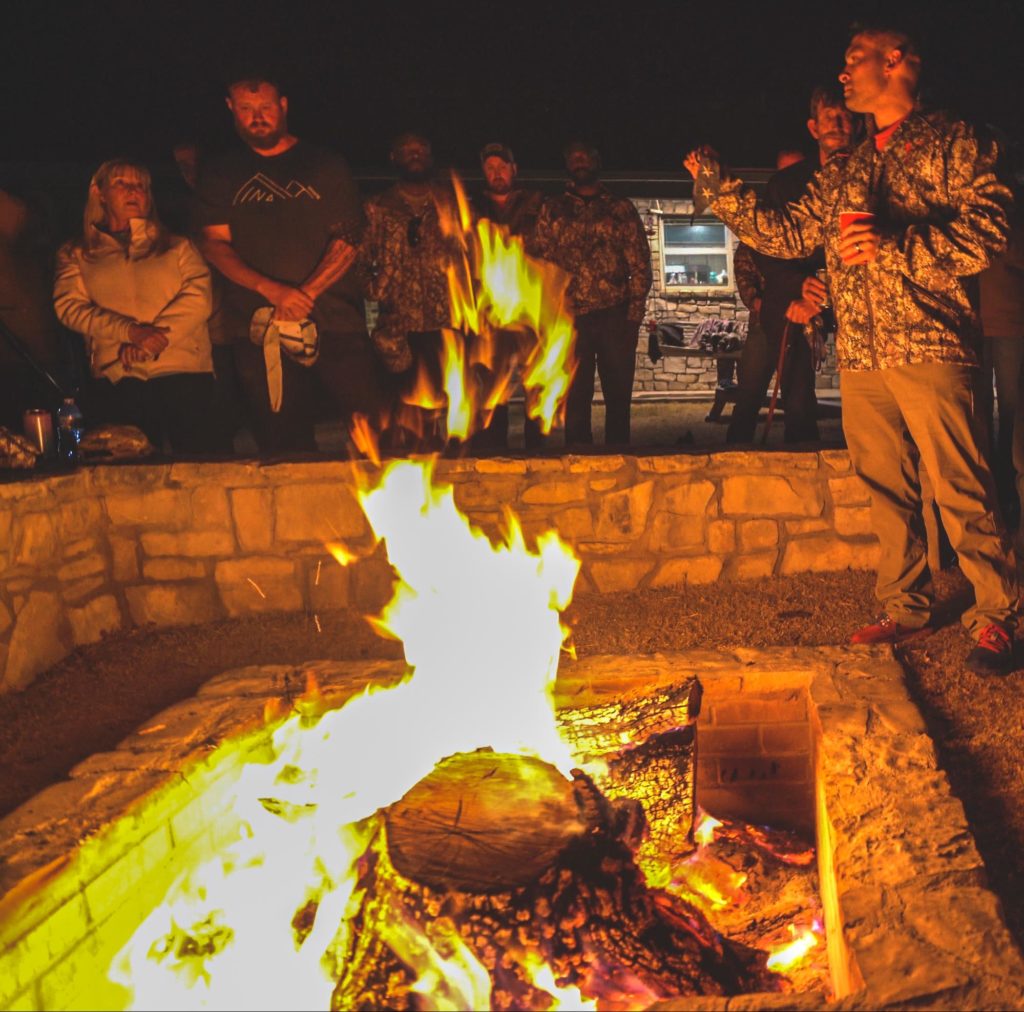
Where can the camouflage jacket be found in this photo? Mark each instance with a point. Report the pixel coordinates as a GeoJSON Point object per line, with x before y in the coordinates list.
{"type": "Point", "coordinates": [942, 213]}
{"type": "Point", "coordinates": [402, 261]}
{"type": "Point", "coordinates": [600, 242]}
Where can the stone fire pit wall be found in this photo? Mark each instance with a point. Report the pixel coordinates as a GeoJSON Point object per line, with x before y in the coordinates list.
{"type": "Point", "coordinates": [108, 548]}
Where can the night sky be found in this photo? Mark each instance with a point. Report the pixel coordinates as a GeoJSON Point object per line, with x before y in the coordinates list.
{"type": "Point", "coordinates": [645, 80]}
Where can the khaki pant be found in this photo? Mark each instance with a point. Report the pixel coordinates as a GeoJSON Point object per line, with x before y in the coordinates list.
{"type": "Point", "coordinates": [886, 414]}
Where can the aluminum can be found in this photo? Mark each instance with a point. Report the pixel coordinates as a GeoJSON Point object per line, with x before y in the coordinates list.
{"type": "Point", "coordinates": [38, 428]}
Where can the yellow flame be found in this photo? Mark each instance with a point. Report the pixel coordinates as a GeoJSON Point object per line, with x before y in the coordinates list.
{"type": "Point", "coordinates": [569, 999]}
{"type": "Point", "coordinates": [341, 554]}
{"type": "Point", "coordinates": [704, 831]}
{"type": "Point", "coordinates": [784, 958]}
{"type": "Point", "coordinates": [224, 937]}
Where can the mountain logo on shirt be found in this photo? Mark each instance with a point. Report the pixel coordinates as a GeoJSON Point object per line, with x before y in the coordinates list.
{"type": "Point", "coordinates": [262, 189]}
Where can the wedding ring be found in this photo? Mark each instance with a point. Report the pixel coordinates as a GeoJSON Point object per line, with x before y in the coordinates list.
{"type": "Point", "coordinates": [856, 246]}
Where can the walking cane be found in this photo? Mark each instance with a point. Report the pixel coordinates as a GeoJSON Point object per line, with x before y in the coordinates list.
{"type": "Point", "coordinates": [778, 382]}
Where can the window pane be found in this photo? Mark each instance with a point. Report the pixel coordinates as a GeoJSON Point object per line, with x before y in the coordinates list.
{"type": "Point", "coordinates": [703, 233]}
{"type": "Point", "coordinates": [709, 269]}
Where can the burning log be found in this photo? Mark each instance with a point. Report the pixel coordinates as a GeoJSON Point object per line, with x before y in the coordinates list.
{"type": "Point", "coordinates": [499, 866]}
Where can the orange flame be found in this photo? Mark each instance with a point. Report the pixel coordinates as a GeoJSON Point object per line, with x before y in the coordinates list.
{"type": "Point", "coordinates": [509, 314]}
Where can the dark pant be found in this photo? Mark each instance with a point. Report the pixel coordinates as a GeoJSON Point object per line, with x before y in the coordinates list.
{"type": "Point", "coordinates": [605, 338]}
{"type": "Point", "coordinates": [757, 365]}
{"type": "Point", "coordinates": [181, 408]}
{"type": "Point", "coordinates": [346, 371]}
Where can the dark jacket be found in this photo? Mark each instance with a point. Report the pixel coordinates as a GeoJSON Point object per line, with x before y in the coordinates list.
{"type": "Point", "coordinates": [519, 213]}
{"type": "Point", "coordinates": [600, 242]}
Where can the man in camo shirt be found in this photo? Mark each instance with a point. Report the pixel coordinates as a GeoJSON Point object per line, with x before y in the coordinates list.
{"type": "Point", "coordinates": [900, 287]}
{"type": "Point", "coordinates": [600, 241]}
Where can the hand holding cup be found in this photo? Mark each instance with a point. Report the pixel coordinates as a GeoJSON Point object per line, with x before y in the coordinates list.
{"type": "Point", "coordinates": [858, 237]}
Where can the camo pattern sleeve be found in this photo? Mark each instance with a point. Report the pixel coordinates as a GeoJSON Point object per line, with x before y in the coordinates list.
{"type": "Point", "coordinates": [600, 242]}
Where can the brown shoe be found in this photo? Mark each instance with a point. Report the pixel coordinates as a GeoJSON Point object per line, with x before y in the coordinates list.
{"type": "Point", "coordinates": [886, 630]}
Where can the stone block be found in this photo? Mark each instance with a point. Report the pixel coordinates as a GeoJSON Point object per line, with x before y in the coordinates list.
{"type": "Point", "coordinates": [574, 523]}
{"type": "Point", "coordinates": [671, 533]}
{"type": "Point", "coordinates": [77, 590]}
{"type": "Point", "coordinates": [602, 484]}
{"type": "Point", "coordinates": [756, 566]}
{"type": "Point", "coordinates": [722, 536]}
{"type": "Point", "coordinates": [757, 534]}
{"type": "Point", "coordinates": [6, 523]}
{"type": "Point", "coordinates": [6, 618]}
{"type": "Point", "coordinates": [126, 558]}
{"type": "Point", "coordinates": [555, 493]}
{"type": "Point", "coordinates": [372, 582]}
{"type": "Point", "coordinates": [488, 494]}
{"type": "Point", "coordinates": [500, 465]}
{"type": "Point", "coordinates": [317, 513]}
{"type": "Point", "coordinates": [698, 569]}
{"type": "Point", "coordinates": [223, 474]}
{"type": "Point", "coordinates": [73, 549]}
{"type": "Point", "coordinates": [102, 615]}
{"type": "Point", "coordinates": [795, 528]}
{"type": "Point", "coordinates": [188, 543]}
{"type": "Point", "coordinates": [40, 639]}
{"type": "Point", "coordinates": [824, 554]}
{"type": "Point", "coordinates": [173, 603]}
{"type": "Point", "coordinates": [852, 521]}
{"type": "Point", "coordinates": [545, 465]}
{"type": "Point", "coordinates": [587, 463]}
{"type": "Point", "coordinates": [117, 477]}
{"type": "Point", "coordinates": [79, 519]}
{"type": "Point", "coordinates": [849, 491]}
{"type": "Point", "coordinates": [258, 583]}
{"type": "Point", "coordinates": [253, 513]}
{"type": "Point", "coordinates": [623, 515]}
{"type": "Point", "coordinates": [692, 497]}
{"type": "Point", "coordinates": [771, 495]}
{"type": "Point", "coordinates": [173, 569]}
{"type": "Point", "coordinates": [35, 539]}
{"type": "Point", "coordinates": [327, 584]}
{"type": "Point", "coordinates": [164, 507]}
{"type": "Point", "coordinates": [210, 507]}
{"type": "Point", "coordinates": [837, 460]}
{"type": "Point", "coordinates": [613, 576]}
{"type": "Point", "coordinates": [87, 565]}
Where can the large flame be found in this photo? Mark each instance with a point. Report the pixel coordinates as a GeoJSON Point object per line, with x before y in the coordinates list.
{"type": "Point", "coordinates": [509, 312]}
{"type": "Point", "coordinates": [475, 679]}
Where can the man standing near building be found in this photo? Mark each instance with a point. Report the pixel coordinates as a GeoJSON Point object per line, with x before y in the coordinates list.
{"type": "Point", "coordinates": [783, 310]}
{"type": "Point", "coordinates": [282, 220]}
{"type": "Point", "coordinates": [517, 208]}
{"type": "Point", "coordinates": [912, 213]}
{"type": "Point", "coordinates": [599, 240]}
{"type": "Point", "coordinates": [403, 262]}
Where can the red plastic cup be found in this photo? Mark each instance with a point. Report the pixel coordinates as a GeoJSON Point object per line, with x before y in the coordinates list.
{"type": "Point", "coordinates": [848, 218]}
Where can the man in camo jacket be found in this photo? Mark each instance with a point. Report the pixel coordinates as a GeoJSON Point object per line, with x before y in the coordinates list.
{"type": "Point", "coordinates": [900, 285]}
{"type": "Point", "coordinates": [600, 241]}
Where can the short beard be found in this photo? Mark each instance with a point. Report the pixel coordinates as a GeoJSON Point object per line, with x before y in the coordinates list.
{"type": "Point", "coordinates": [261, 142]}
{"type": "Point", "coordinates": [583, 177]}
{"type": "Point", "coordinates": [421, 175]}
{"type": "Point", "coordinates": [501, 189]}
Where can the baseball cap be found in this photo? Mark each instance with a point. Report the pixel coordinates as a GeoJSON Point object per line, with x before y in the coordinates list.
{"type": "Point", "coordinates": [497, 150]}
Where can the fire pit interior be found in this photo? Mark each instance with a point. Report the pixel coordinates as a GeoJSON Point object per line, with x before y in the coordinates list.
{"type": "Point", "coordinates": [794, 738]}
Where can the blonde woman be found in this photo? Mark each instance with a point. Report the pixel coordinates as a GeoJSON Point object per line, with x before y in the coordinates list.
{"type": "Point", "coordinates": [140, 298]}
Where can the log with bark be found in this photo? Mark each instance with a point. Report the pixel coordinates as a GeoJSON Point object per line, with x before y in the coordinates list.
{"type": "Point", "coordinates": [500, 861]}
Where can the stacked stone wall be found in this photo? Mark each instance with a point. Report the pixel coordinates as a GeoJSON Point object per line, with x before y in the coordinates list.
{"type": "Point", "coordinates": [106, 549]}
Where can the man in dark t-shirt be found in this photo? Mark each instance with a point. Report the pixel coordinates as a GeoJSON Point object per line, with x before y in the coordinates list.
{"type": "Point", "coordinates": [281, 220]}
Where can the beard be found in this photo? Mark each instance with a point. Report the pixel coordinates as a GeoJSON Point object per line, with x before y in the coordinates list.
{"type": "Point", "coordinates": [500, 187]}
{"type": "Point", "coordinates": [263, 140]}
{"type": "Point", "coordinates": [418, 172]}
{"type": "Point", "coordinates": [583, 177]}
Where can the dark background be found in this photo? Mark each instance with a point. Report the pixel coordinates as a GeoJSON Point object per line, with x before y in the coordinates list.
{"type": "Point", "coordinates": [645, 80]}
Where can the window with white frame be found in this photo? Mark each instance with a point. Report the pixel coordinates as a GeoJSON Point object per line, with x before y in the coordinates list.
{"type": "Point", "coordinates": [696, 254]}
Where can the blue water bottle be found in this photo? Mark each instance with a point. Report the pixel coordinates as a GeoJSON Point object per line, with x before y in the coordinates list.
{"type": "Point", "coordinates": [70, 427]}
